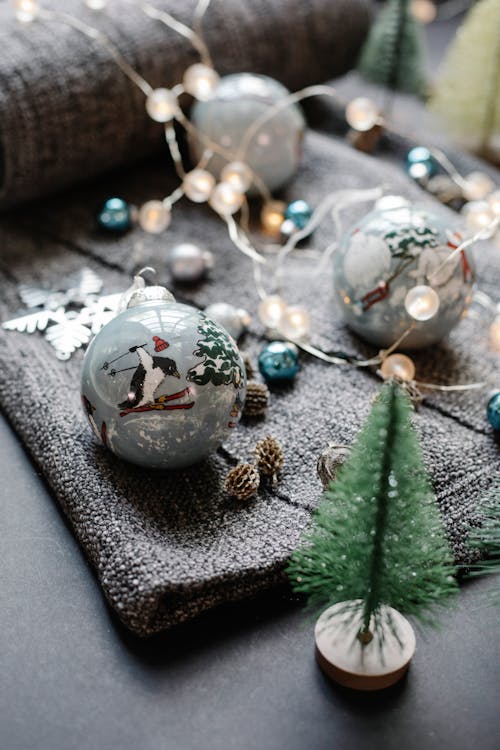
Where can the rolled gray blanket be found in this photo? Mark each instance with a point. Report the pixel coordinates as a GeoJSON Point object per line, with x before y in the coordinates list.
{"type": "Point", "coordinates": [67, 112]}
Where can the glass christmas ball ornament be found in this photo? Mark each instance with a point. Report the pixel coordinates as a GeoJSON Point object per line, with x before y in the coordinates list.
{"type": "Point", "coordinates": [162, 383]}
{"type": "Point", "coordinates": [115, 215]}
{"type": "Point", "coordinates": [279, 361]}
{"type": "Point", "coordinates": [161, 105]}
{"type": "Point", "coordinates": [493, 411]}
{"type": "Point", "coordinates": [200, 81]}
{"type": "Point", "coordinates": [381, 266]}
{"type": "Point", "coordinates": [271, 149]}
{"type": "Point", "coordinates": [299, 212]}
{"type": "Point", "coordinates": [189, 263]}
{"type": "Point", "coordinates": [198, 185]}
{"type": "Point", "coordinates": [420, 163]}
{"type": "Point", "coordinates": [234, 319]}
{"type": "Point", "coordinates": [362, 114]}
{"type": "Point", "coordinates": [154, 217]}
{"type": "Point", "coordinates": [238, 174]}
{"type": "Point", "coordinates": [398, 366]}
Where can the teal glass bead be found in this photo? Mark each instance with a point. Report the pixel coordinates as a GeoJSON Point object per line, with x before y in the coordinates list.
{"type": "Point", "coordinates": [299, 212]}
{"type": "Point", "coordinates": [115, 215]}
{"type": "Point", "coordinates": [279, 360]}
{"type": "Point", "coordinates": [420, 163]}
{"type": "Point", "coordinates": [493, 411]}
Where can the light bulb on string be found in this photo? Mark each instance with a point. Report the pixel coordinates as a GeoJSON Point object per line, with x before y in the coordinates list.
{"type": "Point", "coordinates": [96, 4]}
{"type": "Point", "coordinates": [477, 186]}
{"type": "Point", "coordinates": [424, 11]}
{"type": "Point", "coordinates": [362, 114]}
{"type": "Point", "coordinates": [494, 202]}
{"type": "Point", "coordinates": [161, 105]}
{"type": "Point", "coordinates": [154, 216]}
{"type": "Point", "coordinates": [198, 185]}
{"type": "Point", "coordinates": [295, 323]}
{"type": "Point", "coordinates": [200, 81]}
{"type": "Point", "coordinates": [225, 199]}
{"type": "Point", "coordinates": [398, 366]}
{"type": "Point", "coordinates": [271, 311]}
{"type": "Point", "coordinates": [238, 174]}
{"type": "Point", "coordinates": [272, 216]}
{"type": "Point", "coordinates": [26, 10]}
{"type": "Point", "coordinates": [495, 334]}
{"type": "Point", "coordinates": [478, 214]}
{"type": "Point", "coordinates": [422, 303]}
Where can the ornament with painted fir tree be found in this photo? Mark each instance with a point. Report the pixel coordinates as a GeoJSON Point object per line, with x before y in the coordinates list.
{"type": "Point", "coordinates": [376, 551]}
{"type": "Point", "coordinates": [467, 95]}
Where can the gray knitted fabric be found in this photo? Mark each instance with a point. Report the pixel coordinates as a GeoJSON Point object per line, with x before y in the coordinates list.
{"type": "Point", "coordinates": [166, 546]}
{"type": "Point", "coordinates": [169, 545]}
{"type": "Point", "coordinates": [67, 112]}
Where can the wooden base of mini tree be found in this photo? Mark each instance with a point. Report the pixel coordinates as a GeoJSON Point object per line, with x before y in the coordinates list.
{"type": "Point", "coordinates": [373, 665]}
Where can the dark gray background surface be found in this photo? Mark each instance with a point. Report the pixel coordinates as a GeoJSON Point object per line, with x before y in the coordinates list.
{"type": "Point", "coordinates": [241, 678]}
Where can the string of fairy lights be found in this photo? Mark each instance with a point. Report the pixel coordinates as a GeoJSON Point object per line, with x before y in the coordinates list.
{"type": "Point", "coordinates": [228, 195]}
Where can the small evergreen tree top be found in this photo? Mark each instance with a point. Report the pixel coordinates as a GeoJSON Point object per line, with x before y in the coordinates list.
{"type": "Point", "coordinates": [467, 97]}
{"type": "Point", "coordinates": [377, 538]}
{"type": "Point", "coordinates": [393, 53]}
{"type": "Point", "coordinates": [487, 538]}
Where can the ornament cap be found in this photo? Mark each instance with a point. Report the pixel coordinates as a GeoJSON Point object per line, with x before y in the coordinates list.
{"type": "Point", "coordinates": [139, 293]}
{"type": "Point", "coordinates": [149, 294]}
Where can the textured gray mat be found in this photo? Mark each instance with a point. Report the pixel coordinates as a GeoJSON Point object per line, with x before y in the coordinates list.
{"type": "Point", "coordinates": [67, 112]}
{"type": "Point", "coordinates": [166, 546]}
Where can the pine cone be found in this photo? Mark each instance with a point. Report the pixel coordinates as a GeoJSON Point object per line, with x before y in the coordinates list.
{"type": "Point", "coordinates": [242, 482]}
{"type": "Point", "coordinates": [257, 399]}
{"type": "Point", "coordinates": [269, 457]}
{"type": "Point", "coordinates": [329, 462]}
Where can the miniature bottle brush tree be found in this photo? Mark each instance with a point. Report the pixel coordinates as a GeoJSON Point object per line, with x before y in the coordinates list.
{"type": "Point", "coordinates": [376, 549]}
{"type": "Point", "coordinates": [393, 54]}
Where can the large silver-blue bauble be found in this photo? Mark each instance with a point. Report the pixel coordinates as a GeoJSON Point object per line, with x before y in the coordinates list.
{"type": "Point", "coordinates": [388, 253]}
{"type": "Point", "coordinates": [162, 385]}
{"type": "Point", "coordinates": [239, 99]}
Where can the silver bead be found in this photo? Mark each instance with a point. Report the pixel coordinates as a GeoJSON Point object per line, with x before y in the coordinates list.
{"type": "Point", "coordinates": [235, 320]}
{"type": "Point", "coordinates": [188, 263]}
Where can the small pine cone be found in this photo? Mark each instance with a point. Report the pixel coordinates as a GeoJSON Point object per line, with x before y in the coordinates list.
{"type": "Point", "coordinates": [257, 399]}
{"type": "Point", "coordinates": [249, 369]}
{"type": "Point", "coordinates": [242, 482]}
{"type": "Point", "coordinates": [329, 462]}
{"type": "Point", "coordinates": [269, 457]}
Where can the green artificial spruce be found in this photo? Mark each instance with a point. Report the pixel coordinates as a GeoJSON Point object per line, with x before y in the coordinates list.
{"type": "Point", "coordinates": [467, 95]}
{"type": "Point", "coordinates": [487, 537]}
{"type": "Point", "coordinates": [377, 537]}
{"type": "Point", "coordinates": [393, 54]}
